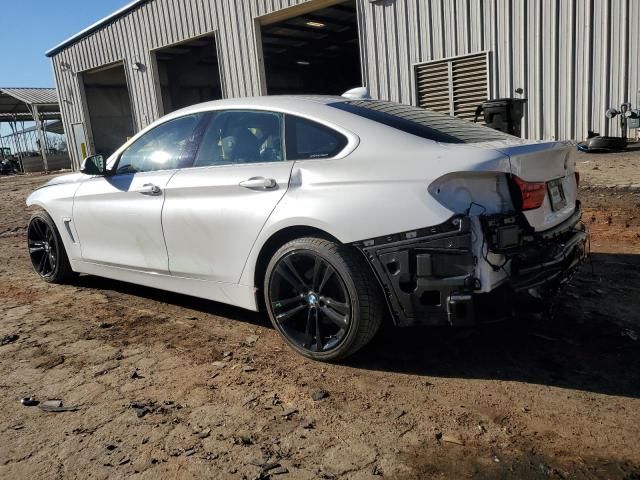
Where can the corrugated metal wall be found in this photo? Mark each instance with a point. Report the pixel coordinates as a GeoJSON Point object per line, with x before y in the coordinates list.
{"type": "Point", "coordinates": [573, 58]}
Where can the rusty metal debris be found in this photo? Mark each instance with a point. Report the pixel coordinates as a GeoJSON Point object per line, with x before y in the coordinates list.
{"type": "Point", "coordinates": [56, 406]}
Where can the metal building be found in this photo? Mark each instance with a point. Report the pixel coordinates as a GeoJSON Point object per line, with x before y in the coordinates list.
{"type": "Point", "coordinates": [571, 59]}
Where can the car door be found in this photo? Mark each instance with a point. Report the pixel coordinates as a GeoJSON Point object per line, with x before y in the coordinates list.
{"type": "Point", "coordinates": [214, 211]}
{"type": "Point", "coordinates": [118, 216]}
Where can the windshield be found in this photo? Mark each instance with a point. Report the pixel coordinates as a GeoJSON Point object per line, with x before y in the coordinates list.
{"type": "Point", "coordinates": [422, 122]}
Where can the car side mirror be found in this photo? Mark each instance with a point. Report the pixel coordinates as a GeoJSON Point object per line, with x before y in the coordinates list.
{"type": "Point", "coordinates": [93, 165]}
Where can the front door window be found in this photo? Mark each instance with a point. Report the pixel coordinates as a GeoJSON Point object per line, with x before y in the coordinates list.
{"type": "Point", "coordinates": [162, 148]}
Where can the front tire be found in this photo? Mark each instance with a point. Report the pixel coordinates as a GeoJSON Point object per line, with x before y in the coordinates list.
{"type": "Point", "coordinates": [322, 298]}
{"type": "Point", "coordinates": [46, 250]}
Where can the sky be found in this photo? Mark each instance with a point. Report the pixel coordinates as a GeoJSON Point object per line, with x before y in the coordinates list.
{"type": "Point", "coordinates": [28, 28]}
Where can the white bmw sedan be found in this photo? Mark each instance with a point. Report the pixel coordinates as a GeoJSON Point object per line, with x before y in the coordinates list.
{"type": "Point", "coordinates": [329, 213]}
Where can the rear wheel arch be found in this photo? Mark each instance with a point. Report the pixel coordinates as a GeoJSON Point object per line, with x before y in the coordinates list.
{"type": "Point", "coordinates": [275, 241]}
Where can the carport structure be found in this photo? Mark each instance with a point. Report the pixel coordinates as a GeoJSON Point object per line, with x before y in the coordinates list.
{"type": "Point", "coordinates": [29, 105]}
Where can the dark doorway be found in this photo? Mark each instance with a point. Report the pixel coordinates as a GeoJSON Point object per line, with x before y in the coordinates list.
{"type": "Point", "coordinates": [316, 52]}
{"type": "Point", "coordinates": [188, 73]}
{"type": "Point", "coordinates": [109, 108]}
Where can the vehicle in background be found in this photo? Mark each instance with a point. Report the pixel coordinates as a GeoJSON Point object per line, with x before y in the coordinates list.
{"type": "Point", "coordinates": [328, 213]}
{"type": "Point", "coordinates": [8, 164]}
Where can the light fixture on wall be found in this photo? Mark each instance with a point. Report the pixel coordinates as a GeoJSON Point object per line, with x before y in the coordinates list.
{"type": "Point", "coordinates": [315, 24]}
{"type": "Point", "coordinates": [64, 66]}
{"type": "Point", "coordinates": [303, 63]}
{"type": "Point", "coordinates": [139, 66]}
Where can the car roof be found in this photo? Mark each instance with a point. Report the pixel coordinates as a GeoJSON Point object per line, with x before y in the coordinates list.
{"type": "Point", "coordinates": [285, 102]}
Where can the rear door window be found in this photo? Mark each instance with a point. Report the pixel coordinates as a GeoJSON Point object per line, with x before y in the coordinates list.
{"type": "Point", "coordinates": [239, 136]}
{"type": "Point", "coordinates": [306, 139]}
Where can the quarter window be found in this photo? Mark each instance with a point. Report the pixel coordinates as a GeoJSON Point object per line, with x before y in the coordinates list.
{"type": "Point", "coordinates": [307, 139]}
{"type": "Point", "coordinates": [234, 137]}
{"type": "Point", "coordinates": [162, 148]}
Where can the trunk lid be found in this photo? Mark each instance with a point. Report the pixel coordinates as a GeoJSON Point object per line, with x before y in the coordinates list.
{"type": "Point", "coordinates": [546, 162]}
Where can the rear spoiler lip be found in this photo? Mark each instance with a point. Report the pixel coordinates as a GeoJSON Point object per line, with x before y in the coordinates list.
{"type": "Point", "coordinates": [533, 147]}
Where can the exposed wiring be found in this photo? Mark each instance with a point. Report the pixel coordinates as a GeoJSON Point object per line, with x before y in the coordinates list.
{"type": "Point", "coordinates": [468, 211]}
{"type": "Point", "coordinates": [593, 273]}
{"type": "Point", "coordinates": [496, 268]}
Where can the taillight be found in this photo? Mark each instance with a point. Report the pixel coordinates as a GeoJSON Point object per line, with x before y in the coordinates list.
{"type": "Point", "coordinates": [577, 174]}
{"type": "Point", "coordinates": [532, 193]}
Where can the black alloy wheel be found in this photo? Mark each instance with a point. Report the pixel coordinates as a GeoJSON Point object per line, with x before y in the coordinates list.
{"type": "Point", "coordinates": [42, 247]}
{"type": "Point", "coordinates": [46, 249]}
{"type": "Point", "coordinates": [322, 298]}
{"type": "Point", "coordinates": [310, 301]}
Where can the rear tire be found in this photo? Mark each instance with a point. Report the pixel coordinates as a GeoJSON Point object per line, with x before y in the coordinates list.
{"type": "Point", "coordinates": [318, 289]}
{"type": "Point", "coordinates": [46, 250]}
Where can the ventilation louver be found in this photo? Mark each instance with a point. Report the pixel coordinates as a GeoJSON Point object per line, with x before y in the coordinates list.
{"type": "Point", "coordinates": [455, 86]}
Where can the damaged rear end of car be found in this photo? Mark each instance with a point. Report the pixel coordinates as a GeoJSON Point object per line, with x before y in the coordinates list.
{"type": "Point", "coordinates": [514, 237]}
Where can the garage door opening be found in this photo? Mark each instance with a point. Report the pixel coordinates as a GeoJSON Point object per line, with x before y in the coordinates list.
{"type": "Point", "coordinates": [316, 52]}
{"type": "Point", "coordinates": [188, 73]}
{"type": "Point", "coordinates": [109, 108]}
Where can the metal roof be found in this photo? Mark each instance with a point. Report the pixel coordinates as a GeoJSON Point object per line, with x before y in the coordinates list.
{"type": "Point", "coordinates": [96, 26]}
{"type": "Point", "coordinates": [27, 117]}
{"type": "Point", "coordinates": [17, 103]}
{"type": "Point", "coordinates": [32, 96]}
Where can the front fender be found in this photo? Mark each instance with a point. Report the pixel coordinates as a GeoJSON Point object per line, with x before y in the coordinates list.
{"type": "Point", "coordinates": [57, 201]}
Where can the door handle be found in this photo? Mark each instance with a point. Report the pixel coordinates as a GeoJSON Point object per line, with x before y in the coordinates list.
{"type": "Point", "coordinates": [149, 189]}
{"type": "Point", "coordinates": [259, 183]}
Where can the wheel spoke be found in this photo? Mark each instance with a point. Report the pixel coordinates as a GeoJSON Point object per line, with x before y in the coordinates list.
{"type": "Point", "coordinates": [316, 272]}
{"type": "Point", "coordinates": [339, 307]}
{"type": "Point", "coordinates": [339, 320]}
{"type": "Point", "coordinates": [41, 264]}
{"type": "Point", "coordinates": [52, 261]}
{"type": "Point", "coordinates": [290, 279]}
{"type": "Point", "coordinates": [282, 317]}
{"type": "Point", "coordinates": [287, 301]}
{"type": "Point", "coordinates": [36, 247]}
{"type": "Point", "coordinates": [319, 342]}
{"type": "Point", "coordinates": [38, 230]}
{"type": "Point", "coordinates": [48, 264]}
{"type": "Point", "coordinates": [308, 336]}
{"type": "Point", "coordinates": [292, 269]}
{"type": "Point", "coordinates": [328, 272]}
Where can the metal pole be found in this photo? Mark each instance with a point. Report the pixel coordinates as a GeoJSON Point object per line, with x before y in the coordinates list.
{"type": "Point", "coordinates": [1, 144]}
{"type": "Point", "coordinates": [43, 150]}
{"type": "Point", "coordinates": [47, 143]}
{"type": "Point", "coordinates": [14, 130]}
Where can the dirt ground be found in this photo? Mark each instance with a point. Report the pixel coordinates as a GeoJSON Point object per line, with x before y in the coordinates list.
{"type": "Point", "coordinates": [170, 386]}
{"type": "Point", "coordinates": [616, 169]}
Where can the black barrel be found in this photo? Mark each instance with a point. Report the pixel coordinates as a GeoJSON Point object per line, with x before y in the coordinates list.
{"type": "Point", "coordinates": [504, 114]}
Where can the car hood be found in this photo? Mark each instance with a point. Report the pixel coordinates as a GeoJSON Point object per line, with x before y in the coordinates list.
{"type": "Point", "coordinates": [65, 179]}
